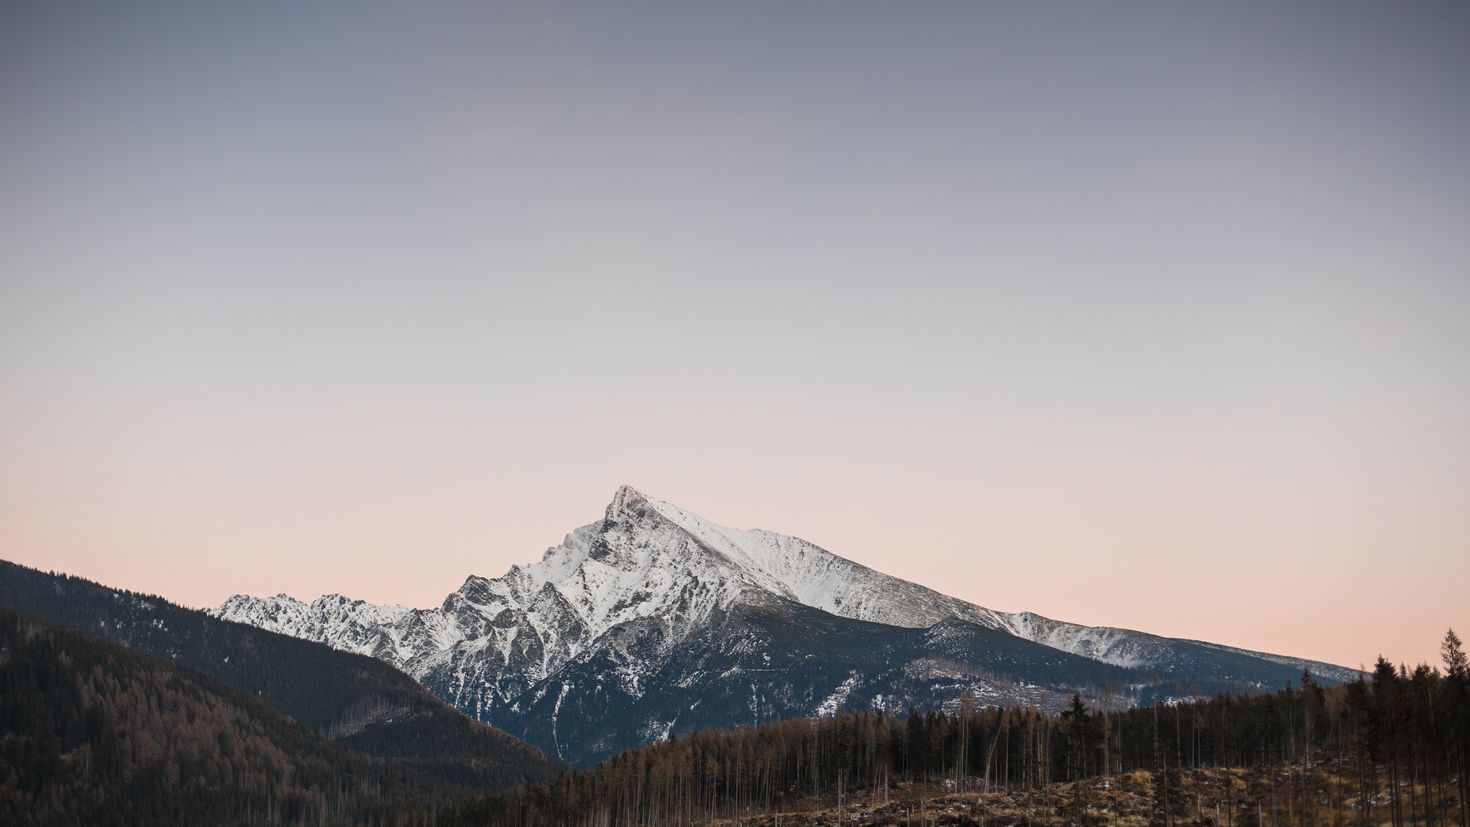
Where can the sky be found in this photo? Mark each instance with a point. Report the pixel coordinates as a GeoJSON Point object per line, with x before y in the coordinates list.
{"type": "Point", "coordinates": [1152, 315]}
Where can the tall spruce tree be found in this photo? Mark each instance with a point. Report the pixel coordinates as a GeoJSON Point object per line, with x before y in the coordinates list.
{"type": "Point", "coordinates": [1077, 726]}
{"type": "Point", "coordinates": [1453, 652]}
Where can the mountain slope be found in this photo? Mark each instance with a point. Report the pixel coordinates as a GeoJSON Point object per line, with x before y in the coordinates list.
{"type": "Point", "coordinates": [365, 705]}
{"type": "Point", "coordinates": [92, 733]}
{"type": "Point", "coordinates": [753, 664]}
{"type": "Point", "coordinates": [823, 580]}
{"type": "Point", "coordinates": [629, 609]}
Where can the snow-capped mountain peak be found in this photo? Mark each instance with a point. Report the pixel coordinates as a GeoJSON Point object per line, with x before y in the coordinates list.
{"type": "Point", "coordinates": [619, 597]}
{"type": "Point", "coordinates": [624, 498]}
{"type": "Point", "coordinates": [645, 561]}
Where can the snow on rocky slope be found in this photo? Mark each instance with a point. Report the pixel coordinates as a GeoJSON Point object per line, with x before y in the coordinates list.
{"type": "Point", "coordinates": [820, 579]}
{"type": "Point", "coordinates": [628, 590]}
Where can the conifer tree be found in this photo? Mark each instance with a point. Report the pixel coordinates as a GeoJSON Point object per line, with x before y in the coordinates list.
{"type": "Point", "coordinates": [1453, 651]}
{"type": "Point", "coordinates": [1457, 725]}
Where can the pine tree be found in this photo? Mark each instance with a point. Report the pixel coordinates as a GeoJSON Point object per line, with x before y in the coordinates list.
{"type": "Point", "coordinates": [1453, 651]}
{"type": "Point", "coordinates": [1457, 692]}
{"type": "Point", "coordinates": [1077, 726]}
{"type": "Point", "coordinates": [1077, 723]}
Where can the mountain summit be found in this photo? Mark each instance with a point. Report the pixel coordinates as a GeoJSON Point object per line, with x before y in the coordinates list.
{"type": "Point", "coordinates": [654, 620]}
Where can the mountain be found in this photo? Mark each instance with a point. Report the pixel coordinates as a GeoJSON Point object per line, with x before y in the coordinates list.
{"type": "Point", "coordinates": [654, 621]}
{"type": "Point", "coordinates": [362, 704]}
{"type": "Point", "coordinates": [93, 733]}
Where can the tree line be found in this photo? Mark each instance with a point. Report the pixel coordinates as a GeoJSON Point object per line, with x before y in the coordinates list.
{"type": "Point", "coordinates": [1401, 736]}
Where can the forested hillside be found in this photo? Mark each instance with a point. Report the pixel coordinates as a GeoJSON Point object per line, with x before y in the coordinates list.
{"type": "Point", "coordinates": [91, 733]}
{"type": "Point", "coordinates": [363, 703]}
{"type": "Point", "coordinates": [1390, 748]}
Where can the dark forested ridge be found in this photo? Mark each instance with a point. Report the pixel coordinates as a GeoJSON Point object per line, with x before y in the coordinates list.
{"type": "Point", "coordinates": [365, 705]}
{"type": "Point", "coordinates": [1389, 748]}
{"type": "Point", "coordinates": [92, 733]}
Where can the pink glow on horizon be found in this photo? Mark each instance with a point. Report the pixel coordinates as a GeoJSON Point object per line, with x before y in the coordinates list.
{"type": "Point", "coordinates": [1247, 562]}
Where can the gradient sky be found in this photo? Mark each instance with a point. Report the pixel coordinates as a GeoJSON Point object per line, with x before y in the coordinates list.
{"type": "Point", "coordinates": [1150, 315]}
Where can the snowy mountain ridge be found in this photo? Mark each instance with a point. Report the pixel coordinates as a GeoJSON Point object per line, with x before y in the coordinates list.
{"type": "Point", "coordinates": [633, 590]}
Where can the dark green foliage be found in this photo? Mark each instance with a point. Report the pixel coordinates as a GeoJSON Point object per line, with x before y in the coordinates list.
{"type": "Point", "coordinates": [367, 705]}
